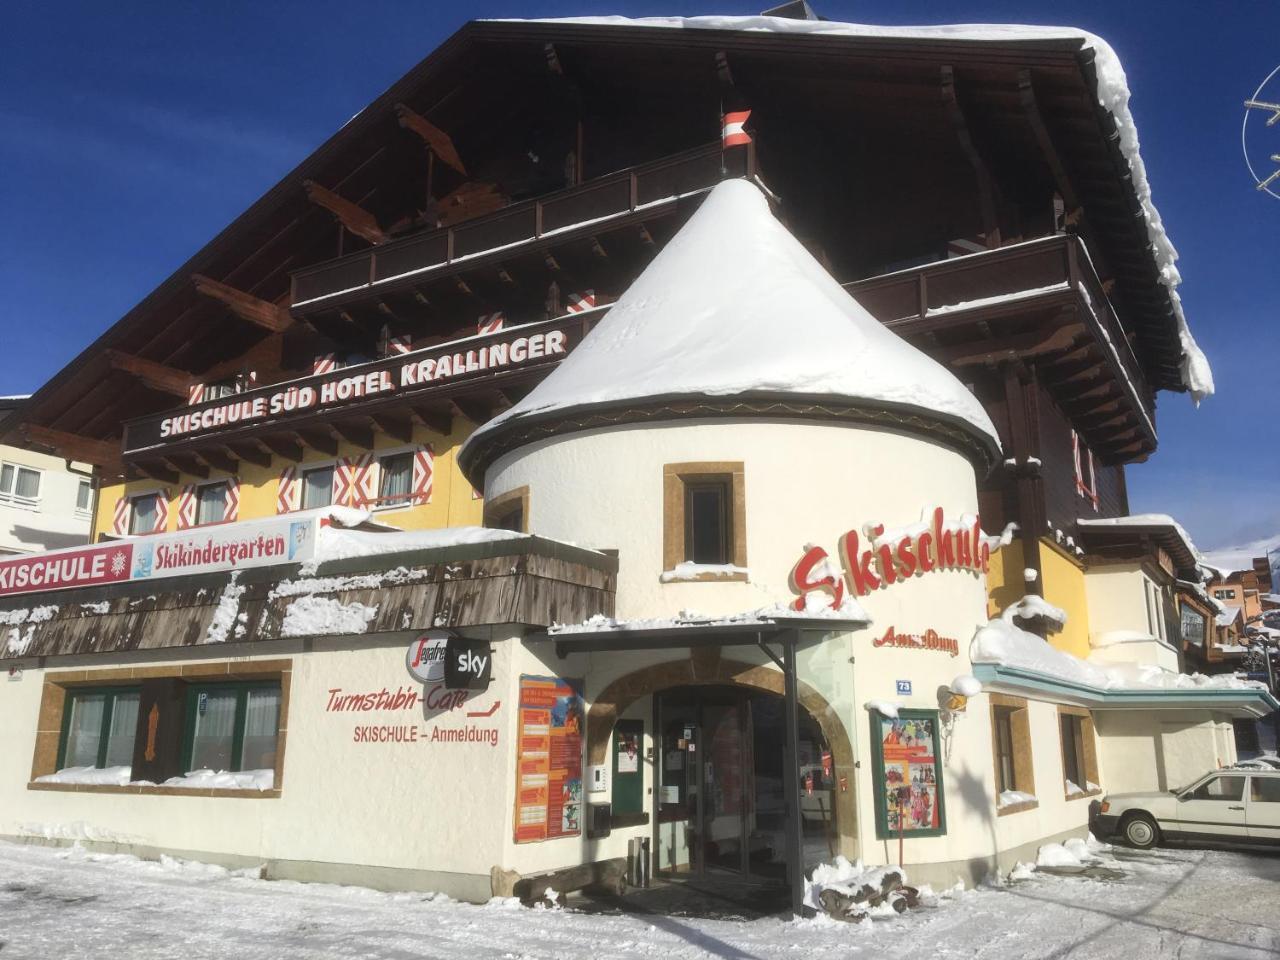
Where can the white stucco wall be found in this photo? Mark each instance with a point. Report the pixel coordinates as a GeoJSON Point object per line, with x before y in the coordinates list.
{"type": "Point", "coordinates": [52, 522]}
{"type": "Point", "coordinates": [1117, 596]}
{"type": "Point", "coordinates": [1161, 750]}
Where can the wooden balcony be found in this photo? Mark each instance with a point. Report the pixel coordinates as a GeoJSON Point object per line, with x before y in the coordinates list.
{"type": "Point", "coordinates": [598, 206]}
{"type": "Point", "coordinates": [1042, 301]}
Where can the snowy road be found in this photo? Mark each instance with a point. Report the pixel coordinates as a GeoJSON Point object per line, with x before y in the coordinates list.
{"type": "Point", "coordinates": [57, 904]}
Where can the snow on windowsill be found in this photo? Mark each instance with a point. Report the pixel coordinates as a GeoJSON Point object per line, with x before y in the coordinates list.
{"type": "Point", "coordinates": [261, 780]}
{"type": "Point", "coordinates": [1015, 801]}
{"type": "Point", "coordinates": [690, 572]}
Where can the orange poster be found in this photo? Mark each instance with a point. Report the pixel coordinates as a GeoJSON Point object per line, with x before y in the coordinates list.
{"type": "Point", "coordinates": [549, 759]}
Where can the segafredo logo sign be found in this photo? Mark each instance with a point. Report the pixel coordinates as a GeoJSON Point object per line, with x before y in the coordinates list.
{"type": "Point", "coordinates": [876, 558]}
{"type": "Point", "coordinates": [425, 656]}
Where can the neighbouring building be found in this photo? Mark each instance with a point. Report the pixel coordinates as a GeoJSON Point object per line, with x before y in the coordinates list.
{"type": "Point", "coordinates": [46, 501]}
{"type": "Point", "coordinates": [840, 336]}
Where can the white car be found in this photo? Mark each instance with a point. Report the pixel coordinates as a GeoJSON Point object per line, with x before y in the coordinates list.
{"type": "Point", "coordinates": [1226, 806]}
{"type": "Point", "coordinates": [1264, 761]}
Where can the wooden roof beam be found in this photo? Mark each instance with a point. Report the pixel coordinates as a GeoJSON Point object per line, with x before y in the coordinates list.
{"type": "Point", "coordinates": [437, 421]}
{"type": "Point", "coordinates": [250, 452]}
{"type": "Point", "coordinates": [72, 446]}
{"type": "Point", "coordinates": [986, 187]}
{"type": "Point", "coordinates": [283, 447]}
{"type": "Point", "coordinates": [355, 218]}
{"type": "Point", "coordinates": [474, 409]}
{"type": "Point", "coordinates": [437, 142]}
{"type": "Point", "coordinates": [267, 315]}
{"type": "Point", "coordinates": [353, 433]}
{"type": "Point", "coordinates": [394, 426]}
{"type": "Point", "coordinates": [1046, 339]}
{"type": "Point", "coordinates": [185, 464]}
{"type": "Point", "coordinates": [1035, 120]}
{"type": "Point", "coordinates": [217, 461]}
{"type": "Point", "coordinates": [319, 440]}
{"type": "Point", "coordinates": [157, 376]}
{"type": "Point", "coordinates": [155, 471]}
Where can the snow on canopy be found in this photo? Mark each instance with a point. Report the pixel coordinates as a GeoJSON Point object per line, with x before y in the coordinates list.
{"type": "Point", "coordinates": [735, 305]}
{"type": "Point", "coordinates": [1112, 92]}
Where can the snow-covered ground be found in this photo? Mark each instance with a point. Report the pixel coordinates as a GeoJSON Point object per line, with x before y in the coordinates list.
{"type": "Point", "coordinates": [66, 903]}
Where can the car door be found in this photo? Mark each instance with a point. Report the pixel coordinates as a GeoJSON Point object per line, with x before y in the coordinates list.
{"type": "Point", "coordinates": [1263, 810]}
{"type": "Point", "coordinates": [1214, 809]}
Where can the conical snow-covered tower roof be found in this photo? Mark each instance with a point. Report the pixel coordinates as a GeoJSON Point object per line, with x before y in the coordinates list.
{"type": "Point", "coordinates": [735, 317]}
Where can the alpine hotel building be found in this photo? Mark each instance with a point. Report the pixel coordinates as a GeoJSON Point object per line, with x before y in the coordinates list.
{"type": "Point", "coordinates": [408, 482]}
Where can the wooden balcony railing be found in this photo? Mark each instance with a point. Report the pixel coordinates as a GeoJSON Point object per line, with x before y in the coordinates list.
{"type": "Point", "coordinates": [1007, 278]}
{"type": "Point", "coordinates": [589, 206]}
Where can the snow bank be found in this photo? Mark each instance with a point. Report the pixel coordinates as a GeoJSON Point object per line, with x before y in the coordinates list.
{"type": "Point", "coordinates": [702, 320]}
{"type": "Point", "coordinates": [339, 544]}
{"type": "Point", "coordinates": [227, 614]}
{"type": "Point", "coordinates": [99, 776]}
{"type": "Point", "coordinates": [845, 878]}
{"type": "Point", "coordinates": [1035, 606]}
{"type": "Point", "coordinates": [311, 616]}
{"type": "Point", "coordinates": [689, 572]}
{"type": "Point", "coordinates": [1112, 93]}
{"type": "Point", "coordinates": [1074, 852]}
{"type": "Point", "coordinates": [224, 780]}
{"type": "Point", "coordinates": [848, 612]}
{"type": "Point", "coordinates": [1003, 643]}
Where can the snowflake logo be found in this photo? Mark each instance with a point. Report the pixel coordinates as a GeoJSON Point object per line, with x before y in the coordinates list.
{"type": "Point", "coordinates": [118, 563]}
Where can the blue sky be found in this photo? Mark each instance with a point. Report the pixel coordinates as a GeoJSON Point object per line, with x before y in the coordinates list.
{"type": "Point", "coordinates": [134, 132]}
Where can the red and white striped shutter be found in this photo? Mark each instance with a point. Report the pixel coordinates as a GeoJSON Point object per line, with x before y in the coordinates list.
{"type": "Point", "coordinates": [162, 511]}
{"type": "Point", "coordinates": [120, 519]}
{"type": "Point", "coordinates": [401, 344]}
{"type": "Point", "coordinates": [490, 323]}
{"type": "Point", "coordinates": [364, 483]}
{"type": "Point", "coordinates": [232, 511]}
{"type": "Point", "coordinates": [343, 472]}
{"type": "Point", "coordinates": [423, 470]}
{"type": "Point", "coordinates": [187, 507]}
{"type": "Point", "coordinates": [250, 379]}
{"type": "Point", "coordinates": [578, 302]}
{"type": "Point", "coordinates": [1093, 479]}
{"type": "Point", "coordinates": [289, 491]}
{"type": "Point", "coordinates": [1075, 456]}
{"type": "Point", "coordinates": [324, 363]}
{"type": "Point", "coordinates": [195, 394]}
{"type": "Point", "coordinates": [476, 494]}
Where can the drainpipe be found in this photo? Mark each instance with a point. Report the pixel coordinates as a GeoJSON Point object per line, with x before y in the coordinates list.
{"type": "Point", "coordinates": [791, 764]}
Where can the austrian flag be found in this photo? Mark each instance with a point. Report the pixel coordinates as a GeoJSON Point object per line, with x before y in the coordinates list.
{"type": "Point", "coordinates": [732, 133]}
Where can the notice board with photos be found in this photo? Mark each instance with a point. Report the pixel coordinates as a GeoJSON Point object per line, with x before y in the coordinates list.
{"type": "Point", "coordinates": [907, 774]}
{"type": "Point", "coordinates": [628, 767]}
{"type": "Point", "coordinates": [549, 759]}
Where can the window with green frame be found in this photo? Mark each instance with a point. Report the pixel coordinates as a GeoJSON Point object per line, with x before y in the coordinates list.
{"type": "Point", "coordinates": [98, 727]}
{"type": "Point", "coordinates": [231, 726]}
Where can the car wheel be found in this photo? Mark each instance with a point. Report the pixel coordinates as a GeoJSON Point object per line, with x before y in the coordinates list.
{"type": "Point", "coordinates": [1140, 831]}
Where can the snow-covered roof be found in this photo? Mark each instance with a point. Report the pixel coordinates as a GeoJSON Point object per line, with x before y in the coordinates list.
{"type": "Point", "coordinates": [1229, 560]}
{"type": "Point", "coordinates": [1112, 93]}
{"type": "Point", "coordinates": [1230, 612]}
{"type": "Point", "coordinates": [735, 305]}
{"type": "Point", "coordinates": [1144, 521]}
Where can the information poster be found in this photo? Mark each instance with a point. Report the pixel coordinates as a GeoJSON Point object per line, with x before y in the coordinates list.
{"type": "Point", "coordinates": [908, 775]}
{"type": "Point", "coordinates": [549, 759]}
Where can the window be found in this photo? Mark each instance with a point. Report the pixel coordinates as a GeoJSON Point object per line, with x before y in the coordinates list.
{"type": "Point", "coordinates": [98, 728]}
{"type": "Point", "coordinates": [706, 522]}
{"type": "Point", "coordinates": [395, 479]}
{"type": "Point", "coordinates": [1264, 789]}
{"type": "Point", "coordinates": [19, 486]}
{"type": "Point", "coordinates": [1193, 625]}
{"type": "Point", "coordinates": [232, 726]}
{"type": "Point", "coordinates": [317, 488]}
{"type": "Point", "coordinates": [508, 511]}
{"type": "Point", "coordinates": [84, 498]}
{"type": "Point", "coordinates": [211, 503]}
{"type": "Point", "coordinates": [704, 517]}
{"type": "Point", "coordinates": [1224, 594]}
{"type": "Point", "coordinates": [1219, 788]}
{"type": "Point", "coordinates": [1079, 753]}
{"type": "Point", "coordinates": [1011, 747]}
{"type": "Point", "coordinates": [143, 512]}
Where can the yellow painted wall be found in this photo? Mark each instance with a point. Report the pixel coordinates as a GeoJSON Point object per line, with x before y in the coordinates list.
{"type": "Point", "coordinates": [1005, 585]}
{"type": "Point", "coordinates": [452, 501]}
{"type": "Point", "coordinates": [1064, 588]}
